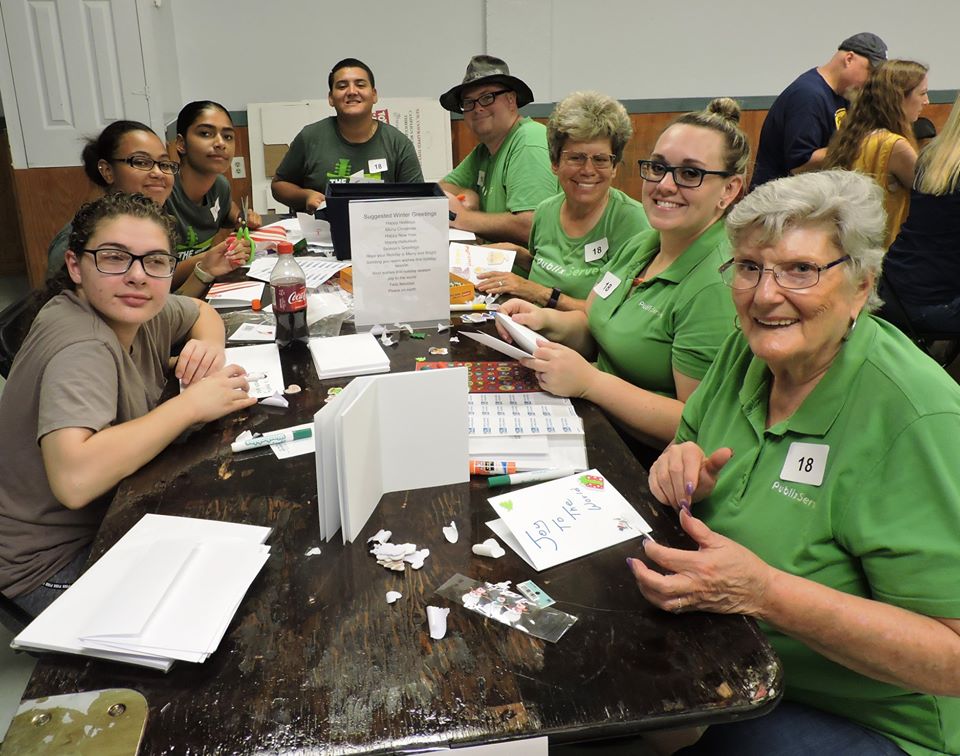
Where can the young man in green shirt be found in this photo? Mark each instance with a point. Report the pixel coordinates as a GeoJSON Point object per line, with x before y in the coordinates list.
{"type": "Point", "coordinates": [508, 174]}
{"type": "Point", "coordinates": [353, 141]}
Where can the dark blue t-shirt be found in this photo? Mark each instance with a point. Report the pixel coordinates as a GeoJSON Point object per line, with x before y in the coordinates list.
{"type": "Point", "coordinates": [923, 263]}
{"type": "Point", "coordinates": [801, 120]}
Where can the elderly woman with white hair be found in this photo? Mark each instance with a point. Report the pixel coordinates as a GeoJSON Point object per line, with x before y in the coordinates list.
{"type": "Point", "coordinates": [820, 456]}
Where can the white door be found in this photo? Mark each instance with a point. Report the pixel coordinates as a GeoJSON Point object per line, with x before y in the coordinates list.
{"type": "Point", "coordinates": [76, 66]}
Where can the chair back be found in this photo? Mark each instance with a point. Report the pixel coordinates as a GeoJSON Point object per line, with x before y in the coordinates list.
{"type": "Point", "coordinates": [14, 324]}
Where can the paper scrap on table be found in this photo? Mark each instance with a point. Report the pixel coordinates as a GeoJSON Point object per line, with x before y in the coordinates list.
{"type": "Point", "coordinates": [498, 602]}
{"type": "Point", "coordinates": [381, 536]}
{"type": "Point", "coordinates": [315, 551]}
{"type": "Point", "coordinates": [450, 532]}
{"type": "Point", "coordinates": [277, 399]}
{"type": "Point", "coordinates": [295, 448]}
{"type": "Point", "coordinates": [393, 596]}
{"type": "Point", "coordinates": [395, 556]}
{"type": "Point", "coordinates": [437, 621]}
{"type": "Point", "coordinates": [262, 365]}
{"type": "Point", "coordinates": [489, 548]}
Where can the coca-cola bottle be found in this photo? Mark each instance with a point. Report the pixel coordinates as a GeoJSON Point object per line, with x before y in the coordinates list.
{"type": "Point", "coordinates": [289, 297]}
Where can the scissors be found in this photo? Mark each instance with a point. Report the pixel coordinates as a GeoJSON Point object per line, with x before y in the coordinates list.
{"type": "Point", "coordinates": [243, 232]}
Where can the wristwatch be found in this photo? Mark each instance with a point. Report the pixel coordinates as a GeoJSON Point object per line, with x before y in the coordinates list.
{"type": "Point", "coordinates": [554, 298]}
{"type": "Point", "coordinates": [200, 273]}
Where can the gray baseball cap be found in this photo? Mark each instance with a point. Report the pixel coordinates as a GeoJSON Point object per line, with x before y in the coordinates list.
{"type": "Point", "coordinates": [868, 45]}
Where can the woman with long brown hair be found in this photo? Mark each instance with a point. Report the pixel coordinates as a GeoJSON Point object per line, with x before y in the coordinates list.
{"type": "Point", "coordinates": [876, 137]}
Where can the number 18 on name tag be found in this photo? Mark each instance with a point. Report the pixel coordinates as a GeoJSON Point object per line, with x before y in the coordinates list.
{"type": "Point", "coordinates": [595, 250]}
{"type": "Point", "coordinates": [805, 463]}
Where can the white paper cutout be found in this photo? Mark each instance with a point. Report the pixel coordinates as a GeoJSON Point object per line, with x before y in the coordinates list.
{"type": "Point", "coordinates": [437, 621]}
{"type": "Point", "coordinates": [450, 532]}
{"type": "Point", "coordinates": [392, 596]}
{"type": "Point", "coordinates": [489, 548]}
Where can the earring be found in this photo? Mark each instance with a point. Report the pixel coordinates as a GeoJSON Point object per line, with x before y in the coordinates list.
{"type": "Point", "coordinates": [849, 333]}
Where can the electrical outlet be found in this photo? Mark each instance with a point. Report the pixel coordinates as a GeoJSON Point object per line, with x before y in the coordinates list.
{"type": "Point", "coordinates": [237, 168]}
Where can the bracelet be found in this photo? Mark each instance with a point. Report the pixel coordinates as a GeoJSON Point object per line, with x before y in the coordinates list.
{"type": "Point", "coordinates": [554, 298]}
{"type": "Point", "coordinates": [200, 273]}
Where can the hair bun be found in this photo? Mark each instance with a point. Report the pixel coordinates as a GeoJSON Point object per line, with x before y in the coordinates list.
{"type": "Point", "coordinates": [725, 107]}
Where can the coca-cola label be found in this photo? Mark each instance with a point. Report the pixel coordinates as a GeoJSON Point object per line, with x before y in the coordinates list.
{"type": "Point", "coordinates": [291, 298]}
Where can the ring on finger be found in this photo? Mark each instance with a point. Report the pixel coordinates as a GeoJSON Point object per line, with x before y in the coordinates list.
{"type": "Point", "coordinates": [679, 606]}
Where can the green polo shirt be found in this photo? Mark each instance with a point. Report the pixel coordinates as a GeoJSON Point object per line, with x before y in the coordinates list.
{"type": "Point", "coordinates": [517, 178]}
{"type": "Point", "coordinates": [569, 264]}
{"type": "Point", "coordinates": [884, 425]}
{"type": "Point", "coordinates": [676, 319]}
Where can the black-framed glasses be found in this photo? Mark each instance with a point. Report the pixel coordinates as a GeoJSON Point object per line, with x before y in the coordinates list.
{"type": "Point", "coordinates": [601, 161]}
{"type": "Point", "coordinates": [687, 176]}
{"type": "Point", "coordinates": [486, 99]}
{"type": "Point", "coordinates": [144, 163]}
{"type": "Point", "coordinates": [116, 262]}
{"type": "Point", "coordinates": [746, 274]}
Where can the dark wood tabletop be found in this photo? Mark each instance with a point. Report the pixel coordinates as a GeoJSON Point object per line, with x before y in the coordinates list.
{"type": "Point", "coordinates": [316, 661]}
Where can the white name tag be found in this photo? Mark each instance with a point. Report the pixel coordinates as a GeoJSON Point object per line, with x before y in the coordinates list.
{"type": "Point", "coordinates": [481, 178]}
{"type": "Point", "coordinates": [377, 166]}
{"type": "Point", "coordinates": [805, 463]}
{"type": "Point", "coordinates": [606, 285]}
{"type": "Point", "coordinates": [595, 250]}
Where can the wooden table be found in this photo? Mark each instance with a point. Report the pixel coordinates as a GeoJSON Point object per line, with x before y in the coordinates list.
{"type": "Point", "coordinates": [316, 661]}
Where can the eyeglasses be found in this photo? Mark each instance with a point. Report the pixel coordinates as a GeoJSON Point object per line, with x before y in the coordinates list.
{"type": "Point", "coordinates": [143, 163]}
{"type": "Point", "coordinates": [115, 262]}
{"type": "Point", "coordinates": [794, 275]}
{"type": "Point", "coordinates": [486, 99]}
{"type": "Point", "coordinates": [686, 176]}
{"type": "Point", "coordinates": [601, 161]}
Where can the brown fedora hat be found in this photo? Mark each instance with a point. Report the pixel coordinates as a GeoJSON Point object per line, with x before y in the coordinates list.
{"type": "Point", "coordinates": [485, 69]}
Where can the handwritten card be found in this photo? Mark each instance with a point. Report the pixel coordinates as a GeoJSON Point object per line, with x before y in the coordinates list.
{"type": "Point", "coordinates": [554, 522]}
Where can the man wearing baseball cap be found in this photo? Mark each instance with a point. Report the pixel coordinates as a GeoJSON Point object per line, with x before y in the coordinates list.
{"type": "Point", "coordinates": [508, 174]}
{"type": "Point", "coordinates": [802, 119]}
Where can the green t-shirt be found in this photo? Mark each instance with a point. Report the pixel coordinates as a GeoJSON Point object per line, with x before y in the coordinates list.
{"type": "Point", "coordinates": [883, 424]}
{"type": "Point", "coordinates": [517, 178]}
{"type": "Point", "coordinates": [676, 319]}
{"type": "Point", "coordinates": [198, 224]}
{"type": "Point", "coordinates": [572, 265]}
{"type": "Point", "coordinates": [319, 155]}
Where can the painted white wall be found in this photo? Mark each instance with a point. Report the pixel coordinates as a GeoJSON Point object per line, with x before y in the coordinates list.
{"type": "Point", "coordinates": [632, 49]}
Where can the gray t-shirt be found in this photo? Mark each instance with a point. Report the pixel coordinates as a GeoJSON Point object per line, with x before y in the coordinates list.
{"type": "Point", "coordinates": [71, 372]}
{"type": "Point", "coordinates": [197, 225]}
{"type": "Point", "coordinates": [318, 155]}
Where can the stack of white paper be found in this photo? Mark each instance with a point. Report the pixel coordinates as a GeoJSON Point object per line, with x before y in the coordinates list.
{"type": "Point", "coordinates": [386, 433]}
{"type": "Point", "coordinates": [554, 522]}
{"type": "Point", "coordinates": [355, 354]}
{"type": "Point", "coordinates": [166, 591]}
{"type": "Point", "coordinates": [316, 270]}
{"type": "Point", "coordinates": [526, 431]}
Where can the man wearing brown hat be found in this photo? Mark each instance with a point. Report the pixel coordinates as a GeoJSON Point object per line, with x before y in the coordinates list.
{"type": "Point", "coordinates": [802, 119]}
{"type": "Point", "coordinates": [508, 174]}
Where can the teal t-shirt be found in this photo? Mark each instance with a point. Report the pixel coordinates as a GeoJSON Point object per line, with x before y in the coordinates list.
{"type": "Point", "coordinates": [572, 265]}
{"type": "Point", "coordinates": [883, 523]}
{"type": "Point", "coordinates": [675, 320]}
{"type": "Point", "coordinates": [319, 155]}
{"type": "Point", "coordinates": [517, 178]}
{"type": "Point", "coordinates": [197, 224]}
